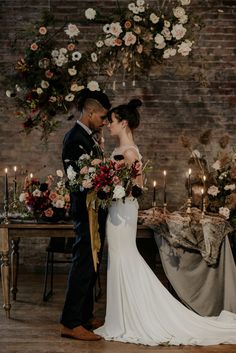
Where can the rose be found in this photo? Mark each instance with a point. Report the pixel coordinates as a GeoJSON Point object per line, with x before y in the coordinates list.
{"type": "Point", "coordinates": [90, 14]}
{"type": "Point", "coordinates": [87, 184]}
{"type": "Point", "coordinates": [49, 212]}
{"type": "Point", "coordinates": [178, 31]}
{"type": "Point", "coordinates": [72, 30]}
{"type": "Point", "coordinates": [71, 174]}
{"type": "Point", "coordinates": [118, 192]}
{"type": "Point", "coordinates": [178, 12]}
{"type": "Point", "coordinates": [59, 173]}
{"type": "Point", "coordinates": [213, 190]}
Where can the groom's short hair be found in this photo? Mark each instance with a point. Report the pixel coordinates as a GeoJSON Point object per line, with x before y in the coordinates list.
{"type": "Point", "coordinates": [98, 96]}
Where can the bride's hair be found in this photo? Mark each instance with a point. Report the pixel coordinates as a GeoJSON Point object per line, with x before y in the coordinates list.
{"type": "Point", "coordinates": [127, 112]}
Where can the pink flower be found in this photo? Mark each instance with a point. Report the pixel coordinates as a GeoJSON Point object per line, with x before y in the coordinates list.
{"type": "Point", "coordinates": [84, 170]}
{"type": "Point", "coordinates": [53, 196]}
{"type": "Point", "coordinates": [87, 184]}
{"type": "Point", "coordinates": [96, 161]}
{"type": "Point", "coordinates": [67, 197]}
{"type": "Point", "coordinates": [116, 180]}
{"type": "Point", "coordinates": [49, 212]}
{"type": "Point", "coordinates": [34, 46]}
{"type": "Point", "coordinates": [43, 30]}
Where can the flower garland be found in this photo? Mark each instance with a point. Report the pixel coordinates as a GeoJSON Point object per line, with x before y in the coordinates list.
{"type": "Point", "coordinates": [53, 69]}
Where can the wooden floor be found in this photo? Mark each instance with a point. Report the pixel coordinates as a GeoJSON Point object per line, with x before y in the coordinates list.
{"type": "Point", "coordinates": [34, 325]}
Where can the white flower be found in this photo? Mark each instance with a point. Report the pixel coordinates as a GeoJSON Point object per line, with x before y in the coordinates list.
{"type": "Point", "coordinates": [154, 18]}
{"type": "Point", "coordinates": [71, 174]}
{"type": "Point", "coordinates": [169, 52]}
{"type": "Point", "coordinates": [131, 6]}
{"type": "Point", "coordinates": [137, 18]}
{"type": "Point", "coordinates": [9, 93]}
{"type": "Point", "coordinates": [59, 173]}
{"type": "Point", "coordinates": [76, 88]}
{"type": "Point", "coordinates": [55, 53]}
{"type": "Point", "coordinates": [140, 2]}
{"type": "Point", "coordinates": [72, 30]}
{"type": "Point", "coordinates": [18, 88]}
{"type": "Point", "coordinates": [39, 90]}
{"type": "Point", "coordinates": [106, 28]}
{"type": "Point", "coordinates": [216, 165]}
{"type": "Point", "coordinates": [178, 12]}
{"type": "Point", "coordinates": [166, 33]}
{"type": "Point", "coordinates": [183, 19]}
{"type": "Point", "coordinates": [224, 211]}
{"type": "Point", "coordinates": [36, 193]}
{"type": "Point", "coordinates": [90, 14]}
{"type": "Point", "coordinates": [59, 203]}
{"type": "Point", "coordinates": [94, 57]}
{"type": "Point", "coordinates": [99, 43]}
{"type": "Point", "coordinates": [44, 84]}
{"type": "Point", "coordinates": [93, 86]}
{"type": "Point", "coordinates": [52, 99]}
{"type": "Point", "coordinates": [115, 29]}
{"type": "Point", "coordinates": [23, 196]}
{"type": "Point", "coordinates": [167, 23]}
{"type": "Point", "coordinates": [129, 38]}
{"type": "Point", "coordinates": [185, 2]}
{"type": "Point", "coordinates": [213, 190]}
{"type": "Point", "coordinates": [160, 41]}
{"type": "Point", "coordinates": [63, 51]}
{"type": "Point", "coordinates": [136, 10]}
{"type": "Point", "coordinates": [84, 156]}
{"type": "Point", "coordinates": [110, 41]}
{"type": "Point", "coordinates": [118, 192]}
{"type": "Point", "coordinates": [72, 71]}
{"type": "Point", "coordinates": [185, 47]}
{"type": "Point", "coordinates": [178, 31]}
{"type": "Point", "coordinates": [76, 56]}
{"type": "Point", "coordinates": [141, 9]}
{"type": "Point", "coordinates": [229, 187]}
{"type": "Point", "coordinates": [69, 97]}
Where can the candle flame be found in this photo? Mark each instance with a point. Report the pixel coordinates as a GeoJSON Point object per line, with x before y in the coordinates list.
{"type": "Point", "coordinates": [31, 175]}
{"type": "Point", "coordinates": [15, 168]}
{"type": "Point", "coordinates": [189, 171]}
{"type": "Point", "coordinates": [154, 183]}
{"type": "Point", "coordinates": [202, 191]}
{"type": "Point", "coordinates": [6, 170]}
{"type": "Point", "coordinates": [164, 172]}
{"type": "Point", "coordinates": [204, 178]}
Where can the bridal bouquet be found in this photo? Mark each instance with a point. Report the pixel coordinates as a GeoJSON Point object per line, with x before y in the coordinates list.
{"type": "Point", "coordinates": [44, 199]}
{"type": "Point", "coordinates": [110, 179]}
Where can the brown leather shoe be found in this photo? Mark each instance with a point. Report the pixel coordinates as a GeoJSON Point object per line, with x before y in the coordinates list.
{"type": "Point", "coordinates": [95, 323]}
{"type": "Point", "coordinates": [79, 333]}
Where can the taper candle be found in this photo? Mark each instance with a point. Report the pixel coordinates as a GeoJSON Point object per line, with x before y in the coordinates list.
{"type": "Point", "coordinates": [6, 186]}
{"type": "Point", "coordinates": [15, 183]}
{"type": "Point", "coordinates": [164, 186]}
{"type": "Point", "coordinates": [31, 175]}
{"type": "Point", "coordinates": [189, 183]}
{"type": "Point", "coordinates": [202, 205]}
{"type": "Point", "coordinates": [154, 191]}
{"type": "Point", "coordinates": [204, 183]}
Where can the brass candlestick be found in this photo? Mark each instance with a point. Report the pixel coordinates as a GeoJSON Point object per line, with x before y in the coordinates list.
{"type": "Point", "coordinates": [189, 203]}
{"type": "Point", "coordinates": [164, 207]}
{"type": "Point", "coordinates": [154, 205]}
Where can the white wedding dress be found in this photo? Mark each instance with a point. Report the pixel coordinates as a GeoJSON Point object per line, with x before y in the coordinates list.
{"type": "Point", "coordinates": [139, 308]}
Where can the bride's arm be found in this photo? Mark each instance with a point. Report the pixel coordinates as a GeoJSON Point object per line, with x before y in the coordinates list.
{"type": "Point", "coordinates": [130, 156]}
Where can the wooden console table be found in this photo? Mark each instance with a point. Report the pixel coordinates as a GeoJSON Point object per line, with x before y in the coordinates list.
{"type": "Point", "coordinates": [10, 235]}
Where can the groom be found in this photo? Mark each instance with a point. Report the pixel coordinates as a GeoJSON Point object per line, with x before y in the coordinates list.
{"type": "Point", "coordinates": [77, 315]}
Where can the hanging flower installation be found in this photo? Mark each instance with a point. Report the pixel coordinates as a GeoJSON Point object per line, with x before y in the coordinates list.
{"type": "Point", "coordinates": [49, 76]}
{"type": "Point", "coordinates": [139, 37]}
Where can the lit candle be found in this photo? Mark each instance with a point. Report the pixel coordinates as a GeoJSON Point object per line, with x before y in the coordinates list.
{"type": "Point", "coordinates": [189, 183]}
{"type": "Point", "coordinates": [31, 175]}
{"type": "Point", "coordinates": [15, 184]}
{"type": "Point", "coordinates": [202, 205]}
{"type": "Point", "coordinates": [6, 186]}
{"type": "Point", "coordinates": [154, 191]}
{"type": "Point", "coordinates": [164, 186]}
{"type": "Point", "coordinates": [204, 183]}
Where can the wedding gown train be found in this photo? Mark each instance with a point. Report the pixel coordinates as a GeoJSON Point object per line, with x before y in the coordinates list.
{"type": "Point", "coordinates": [139, 308]}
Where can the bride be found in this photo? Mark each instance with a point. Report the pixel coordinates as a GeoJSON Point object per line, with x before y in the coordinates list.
{"type": "Point", "coordinates": [139, 308]}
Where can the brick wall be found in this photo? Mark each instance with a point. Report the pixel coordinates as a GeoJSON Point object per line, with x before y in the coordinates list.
{"type": "Point", "coordinates": [173, 100]}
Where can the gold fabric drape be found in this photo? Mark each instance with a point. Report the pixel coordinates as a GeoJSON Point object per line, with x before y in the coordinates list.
{"type": "Point", "coordinates": [92, 207]}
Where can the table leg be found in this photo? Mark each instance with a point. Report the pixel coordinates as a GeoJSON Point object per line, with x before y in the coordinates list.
{"type": "Point", "coordinates": [14, 266]}
{"type": "Point", "coordinates": [5, 272]}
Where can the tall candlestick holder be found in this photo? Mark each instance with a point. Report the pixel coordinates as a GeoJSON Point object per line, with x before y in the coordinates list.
{"type": "Point", "coordinates": [164, 207]}
{"type": "Point", "coordinates": [203, 207]}
{"type": "Point", "coordinates": [6, 209]}
{"type": "Point", "coordinates": [154, 205]}
{"type": "Point", "coordinates": [189, 204]}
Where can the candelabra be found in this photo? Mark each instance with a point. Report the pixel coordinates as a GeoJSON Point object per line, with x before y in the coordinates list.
{"type": "Point", "coordinates": [189, 203]}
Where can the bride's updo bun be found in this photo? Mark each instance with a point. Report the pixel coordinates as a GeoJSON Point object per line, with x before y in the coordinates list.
{"type": "Point", "coordinates": [128, 112]}
{"type": "Point", "coordinates": [134, 103]}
